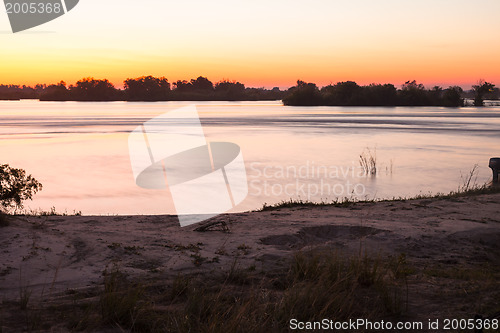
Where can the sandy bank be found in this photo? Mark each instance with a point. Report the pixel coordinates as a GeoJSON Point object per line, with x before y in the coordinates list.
{"type": "Point", "coordinates": [54, 254]}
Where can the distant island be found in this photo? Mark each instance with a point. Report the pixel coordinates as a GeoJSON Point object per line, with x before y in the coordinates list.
{"type": "Point", "coordinates": [145, 88]}
{"type": "Point", "coordinates": [347, 93]}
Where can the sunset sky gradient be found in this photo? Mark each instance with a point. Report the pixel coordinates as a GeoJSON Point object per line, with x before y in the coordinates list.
{"type": "Point", "coordinates": [261, 42]}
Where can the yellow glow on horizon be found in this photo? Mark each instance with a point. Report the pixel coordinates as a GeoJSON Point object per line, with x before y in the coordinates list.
{"type": "Point", "coordinates": [260, 43]}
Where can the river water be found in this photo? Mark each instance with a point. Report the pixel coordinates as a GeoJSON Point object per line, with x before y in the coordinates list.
{"type": "Point", "coordinates": [80, 153]}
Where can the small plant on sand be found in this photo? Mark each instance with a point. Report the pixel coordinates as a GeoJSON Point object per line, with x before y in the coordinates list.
{"type": "Point", "coordinates": [236, 275]}
{"type": "Point", "coordinates": [245, 249]}
{"type": "Point", "coordinates": [24, 297]}
{"type": "Point", "coordinates": [51, 212]}
{"type": "Point", "coordinates": [197, 259]}
{"type": "Point", "coordinates": [16, 187]}
{"type": "Point", "coordinates": [469, 181]}
{"type": "Point", "coordinates": [121, 302]}
{"type": "Point", "coordinates": [114, 246]}
{"type": "Point", "coordinates": [294, 203]}
{"type": "Point", "coordinates": [180, 286]}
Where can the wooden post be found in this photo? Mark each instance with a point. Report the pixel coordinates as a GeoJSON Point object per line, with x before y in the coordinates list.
{"type": "Point", "coordinates": [495, 166]}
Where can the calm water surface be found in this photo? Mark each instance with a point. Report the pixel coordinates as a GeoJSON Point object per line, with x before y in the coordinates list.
{"type": "Point", "coordinates": [79, 151]}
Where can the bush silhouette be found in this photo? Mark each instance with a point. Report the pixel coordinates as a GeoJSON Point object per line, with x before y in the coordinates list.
{"type": "Point", "coordinates": [16, 187]}
{"type": "Point", "coordinates": [480, 90]}
{"type": "Point", "coordinates": [147, 88]}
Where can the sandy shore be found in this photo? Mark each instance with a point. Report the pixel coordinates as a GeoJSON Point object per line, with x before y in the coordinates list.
{"type": "Point", "coordinates": [54, 254]}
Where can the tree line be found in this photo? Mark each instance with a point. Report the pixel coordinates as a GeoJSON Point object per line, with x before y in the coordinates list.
{"type": "Point", "coordinates": [145, 88]}
{"type": "Point", "coordinates": [348, 93]}
{"type": "Point", "coordinates": [411, 93]}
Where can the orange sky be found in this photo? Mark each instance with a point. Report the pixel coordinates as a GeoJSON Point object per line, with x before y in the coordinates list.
{"type": "Point", "coordinates": [261, 43]}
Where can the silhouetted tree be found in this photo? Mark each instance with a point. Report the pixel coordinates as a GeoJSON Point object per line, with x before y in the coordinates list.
{"type": "Point", "coordinates": [261, 94]}
{"type": "Point", "coordinates": [202, 84]}
{"type": "Point", "coordinates": [10, 92]}
{"type": "Point", "coordinates": [53, 92]}
{"type": "Point", "coordinates": [16, 187]}
{"type": "Point", "coordinates": [90, 89]}
{"type": "Point", "coordinates": [182, 86]}
{"type": "Point", "coordinates": [435, 95]}
{"type": "Point", "coordinates": [147, 88]}
{"type": "Point", "coordinates": [380, 95]}
{"type": "Point", "coordinates": [303, 94]}
{"type": "Point", "coordinates": [452, 97]}
{"type": "Point", "coordinates": [343, 93]}
{"type": "Point", "coordinates": [413, 94]}
{"type": "Point", "coordinates": [16, 92]}
{"type": "Point", "coordinates": [230, 90]}
{"type": "Point", "coordinates": [480, 90]}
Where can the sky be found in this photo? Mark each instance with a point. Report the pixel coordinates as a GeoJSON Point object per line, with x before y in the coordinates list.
{"type": "Point", "coordinates": [262, 43]}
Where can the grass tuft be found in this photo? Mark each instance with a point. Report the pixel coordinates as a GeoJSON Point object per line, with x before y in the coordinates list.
{"type": "Point", "coordinates": [293, 203]}
{"type": "Point", "coordinates": [24, 297]}
{"type": "Point", "coordinates": [121, 303]}
{"type": "Point", "coordinates": [51, 212]}
{"type": "Point", "coordinates": [368, 161]}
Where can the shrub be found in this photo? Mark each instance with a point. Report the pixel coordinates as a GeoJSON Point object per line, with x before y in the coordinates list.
{"type": "Point", "coordinates": [16, 187]}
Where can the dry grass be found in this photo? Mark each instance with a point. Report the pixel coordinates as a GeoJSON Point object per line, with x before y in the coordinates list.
{"type": "Point", "coordinates": [122, 303]}
{"type": "Point", "coordinates": [314, 284]}
{"type": "Point", "coordinates": [339, 202]}
{"type": "Point", "coordinates": [51, 212]}
{"type": "Point", "coordinates": [368, 161]}
{"type": "Point", "coordinates": [24, 297]}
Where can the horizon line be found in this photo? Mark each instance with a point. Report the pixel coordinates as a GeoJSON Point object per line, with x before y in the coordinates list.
{"type": "Point", "coordinates": [267, 87]}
